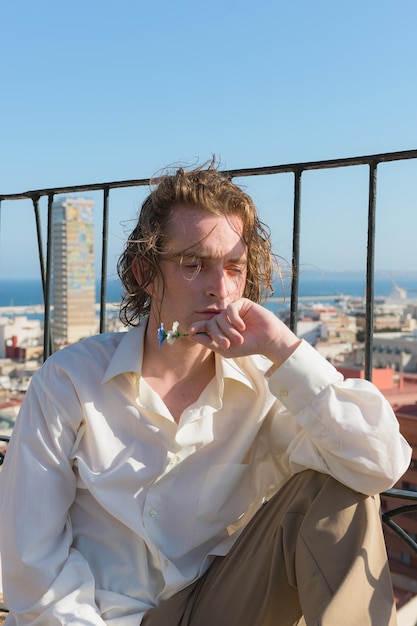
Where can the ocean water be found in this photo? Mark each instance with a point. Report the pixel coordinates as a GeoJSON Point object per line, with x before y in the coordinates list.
{"type": "Point", "coordinates": [29, 292]}
{"type": "Point", "coordinates": [331, 284]}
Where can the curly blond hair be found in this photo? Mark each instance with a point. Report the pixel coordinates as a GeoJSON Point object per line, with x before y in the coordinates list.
{"type": "Point", "coordinates": [211, 191]}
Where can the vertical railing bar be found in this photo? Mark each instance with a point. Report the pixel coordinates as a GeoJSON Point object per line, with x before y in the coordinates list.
{"type": "Point", "coordinates": [35, 202]}
{"type": "Point", "coordinates": [370, 269]}
{"type": "Point", "coordinates": [104, 250]}
{"type": "Point", "coordinates": [47, 342]}
{"type": "Point", "coordinates": [295, 251]}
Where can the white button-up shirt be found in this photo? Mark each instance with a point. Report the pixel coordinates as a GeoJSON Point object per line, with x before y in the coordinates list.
{"type": "Point", "coordinates": [107, 506]}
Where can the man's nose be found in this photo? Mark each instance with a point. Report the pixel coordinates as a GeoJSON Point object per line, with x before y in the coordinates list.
{"type": "Point", "coordinates": [219, 285]}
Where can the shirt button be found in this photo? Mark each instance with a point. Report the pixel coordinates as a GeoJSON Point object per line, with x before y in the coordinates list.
{"type": "Point", "coordinates": [283, 393]}
{"type": "Point", "coordinates": [174, 460]}
{"type": "Point", "coordinates": [152, 513]}
{"type": "Point", "coordinates": [166, 562]}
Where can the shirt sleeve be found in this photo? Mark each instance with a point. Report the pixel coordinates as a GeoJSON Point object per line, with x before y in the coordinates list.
{"type": "Point", "coordinates": [342, 427]}
{"type": "Point", "coordinates": [45, 580]}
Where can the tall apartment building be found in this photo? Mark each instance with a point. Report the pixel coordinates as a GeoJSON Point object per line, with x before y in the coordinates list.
{"type": "Point", "coordinates": [73, 275]}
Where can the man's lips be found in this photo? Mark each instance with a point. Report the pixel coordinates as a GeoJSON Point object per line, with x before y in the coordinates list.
{"type": "Point", "coordinates": [209, 313]}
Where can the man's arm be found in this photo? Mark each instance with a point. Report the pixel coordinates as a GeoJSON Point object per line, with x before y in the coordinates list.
{"type": "Point", "coordinates": [345, 428]}
{"type": "Point", "coordinates": [44, 579]}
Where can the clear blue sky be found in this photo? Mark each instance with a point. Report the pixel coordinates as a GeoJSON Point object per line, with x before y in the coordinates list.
{"type": "Point", "coordinates": [95, 91]}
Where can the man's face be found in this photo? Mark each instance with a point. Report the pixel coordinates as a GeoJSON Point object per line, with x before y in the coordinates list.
{"type": "Point", "coordinates": [203, 265]}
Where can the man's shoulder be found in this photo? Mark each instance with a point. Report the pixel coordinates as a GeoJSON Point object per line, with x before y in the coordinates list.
{"type": "Point", "coordinates": [102, 342]}
{"type": "Point", "coordinates": [91, 352]}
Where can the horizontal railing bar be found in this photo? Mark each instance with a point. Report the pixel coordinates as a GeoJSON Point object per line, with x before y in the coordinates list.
{"type": "Point", "coordinates": [75, 189]}
{"type": "Point", "coordinates": [233, 173]}
{"type": "Point", "coordinates": [400, 493]}
{"type": "Point", "coordinates": [326, 164]}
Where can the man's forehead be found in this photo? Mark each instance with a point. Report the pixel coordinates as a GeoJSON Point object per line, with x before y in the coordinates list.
{"type": "Point", "coordinates": [196, 232]}
{"type": "Point", "coordinates": [196, 218]}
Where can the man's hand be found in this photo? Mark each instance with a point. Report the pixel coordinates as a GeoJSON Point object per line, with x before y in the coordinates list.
{"type": "Point", "coordinates": [244, 328]}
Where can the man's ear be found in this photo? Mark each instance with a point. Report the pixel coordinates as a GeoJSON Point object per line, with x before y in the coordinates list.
{"type": "Point", "coordinates": [139, 270]}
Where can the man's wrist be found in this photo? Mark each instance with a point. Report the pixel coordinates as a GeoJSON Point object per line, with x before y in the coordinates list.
{"type": "Point", "coordinates": [280, 353]}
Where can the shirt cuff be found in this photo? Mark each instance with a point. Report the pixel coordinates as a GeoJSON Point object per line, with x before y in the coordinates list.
{"type": "Point", "coordinates": [301, 377]}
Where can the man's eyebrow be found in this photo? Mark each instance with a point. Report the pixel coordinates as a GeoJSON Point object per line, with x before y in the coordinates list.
{"type": "Point", "coordinates": [240, 259]}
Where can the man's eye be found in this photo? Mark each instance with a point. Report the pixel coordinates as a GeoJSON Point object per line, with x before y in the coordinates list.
{"type": "Point", "coordinates": [192, 265]}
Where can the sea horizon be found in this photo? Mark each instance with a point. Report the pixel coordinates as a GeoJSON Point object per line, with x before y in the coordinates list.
{"type": "Point", "coordinates": [312, 283]}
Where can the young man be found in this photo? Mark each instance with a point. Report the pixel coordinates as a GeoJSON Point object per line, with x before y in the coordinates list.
{"type": "Point", "coordinates": [219, 473]}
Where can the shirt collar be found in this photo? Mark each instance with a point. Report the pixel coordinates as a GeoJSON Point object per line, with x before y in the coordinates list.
{"type": "Point", "coordinates": [129, 352]}
{"type": "Point", "coordinates": [230, 368]}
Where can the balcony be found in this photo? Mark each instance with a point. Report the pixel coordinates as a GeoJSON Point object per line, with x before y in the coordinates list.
{"type": "Point", "coordinates": [42, 201]}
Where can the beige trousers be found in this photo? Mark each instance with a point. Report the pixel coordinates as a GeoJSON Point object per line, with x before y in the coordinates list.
{"type": "Point", "coordinates": [313, 554]}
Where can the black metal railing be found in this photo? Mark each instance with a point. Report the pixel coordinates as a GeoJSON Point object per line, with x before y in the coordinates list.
{"type": "Point", "coordinates": [389, 515]}
{"type": "Point", "coordinates": [297, 170]}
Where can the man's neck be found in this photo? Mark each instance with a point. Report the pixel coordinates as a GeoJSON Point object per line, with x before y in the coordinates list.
{"type": "Point", "coordinates": [178, 373]}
